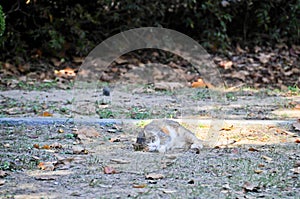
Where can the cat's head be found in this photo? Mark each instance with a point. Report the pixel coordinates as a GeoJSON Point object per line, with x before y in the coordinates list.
{"type": "Point", "coordinates": [140, 144]}
{"type": "Point", "coordinates": [146, 142]}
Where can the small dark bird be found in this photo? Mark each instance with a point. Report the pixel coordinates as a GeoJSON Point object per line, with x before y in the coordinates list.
{"type": "Point", "coordinates": [106, 91]}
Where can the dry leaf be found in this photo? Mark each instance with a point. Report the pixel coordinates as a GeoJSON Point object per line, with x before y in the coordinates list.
{"type": "Point", "coordinates": [227, 128]}
{"type": "Point", "coordinates": [252, 138]}
{"type": "Point", "coordinates": [60, 130]}
{"type": "Point", "coordinates": [199, 84]}
{"type": "Point", "coordinates": [37, 146]}
{"type": "Point", "coordinates": [2, 182]}
{"type": "Point", "coordinates": [253, 149]}
{"type": "Point", "coordinates": [120, 161]}
{"type": "Point", "coordinates": [168, 191]}
{"type": "Point", "coordinates": [258, 171]}
{"type": "Point", "coordinates": [67, 73]}
{"type": "Point", "coordinates": [48, 166]}
{"type": "Point", "coordinates": [114, 139]}
{"type": "Point", "coordinates": [56, 145]}
{"type": "Point", "coordinates": [264, 58]}
{"type": "Point", "coordinates": [226, 64]}
{"type": "Point", "coordinates": [46, 114]}
{"type": "Point", "coordinates": [13, 111]}
{"type": "Point", "coordinates": [139, 185]}
{"type": "Point", "coordinates": [297, 140]}
{"type": "Point", "coordinates": [154, 176]}
{"type": "Point", "coordinates": [46, 146]}
{"type": "Point", "coordinates": [268, 159]}
{"type": "Point", "coordinates": [296, 170]}
{"type": "Point", "coordinates": [109, 170]}
{"type": "Point", "coordinates": [248, 187]}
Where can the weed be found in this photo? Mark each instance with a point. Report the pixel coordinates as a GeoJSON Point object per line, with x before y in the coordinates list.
{"type": "Point", "coordinates": [231, 97]}
{"type": "Point", "coordinates": [105, 113]}
{"type": "Point", "coordinates": [294, 90]}
{"type": "Point", "coordinates": [138, 113]}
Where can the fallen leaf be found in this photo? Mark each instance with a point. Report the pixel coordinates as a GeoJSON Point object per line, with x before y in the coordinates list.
{"type": "Point", "coordinates": [56, 145]}
{"type": "Point", "coordinates": [37, 146]}
{"type": "Point", "coordinates": [47, 166]}
{"type": "Point", "coordinates": [226, 64]}
{"type": "Point", "coordinates": [261, 165]}
{"type": "Point", "coordinates": [65, 162]}
{"type": "Point", "coordinates": [46, 146]}
{"type": "Point", "coordinates": [297, 140]}
{"type": "Point", "coordinates": [248, 187]}
{"type": "Point", "coordinates": [227, 128]}
{"type": "Point", "coordinates": [258, 171]}
{"type": "Point", "coordinates": [46, 114]}
{"type": "Point", "coordinates": [120, 161]}
{"type": "Point", "coordinates": [296, 170]}
{"type": "Point", "coordinates": [199, 84]}
{"type": "Point", "coordinates": [139, 185]}
{"type": "Point", "coordinates": [114, 139]}
{"type": "Point", "coordinates": [253, 149]}
{"type": "Point", "coordinates": [67, 73]}
{"type": "Point", "coordinates": [109, 170]}
{"type": "Point", "coordinates": [268, 159]}
{"type": "Point", "coordinates": [252, 138]}
{"type": "Point", "coordinates": [264, 58]}
{"type": "Point", "coordinates": [168, 191]}
{"type": "Point", "coordinates": [154, 176]}
{"type": "Point", "coordinates": [13, 111]}
{"type": "Point", "coordinates": [60, 130]}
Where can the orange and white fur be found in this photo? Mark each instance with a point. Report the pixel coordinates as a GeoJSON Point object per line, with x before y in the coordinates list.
{"type": "Point", "coordinates": [166, 135]}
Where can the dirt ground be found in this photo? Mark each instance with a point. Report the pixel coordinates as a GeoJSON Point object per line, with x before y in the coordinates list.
{"type": "Point", "coordinates": [50, 161]}
{"type": "Point", "coordinates": [92, 161]}
{"type": "Point", "coordinates": [146, 102]}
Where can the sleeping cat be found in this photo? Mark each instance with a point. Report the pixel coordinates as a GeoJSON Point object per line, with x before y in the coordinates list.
{"type": "Point", "coordinates": [166, 135]}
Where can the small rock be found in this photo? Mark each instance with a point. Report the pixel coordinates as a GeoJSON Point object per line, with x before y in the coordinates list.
{"type": "Point", "coordinates": [106, 91]}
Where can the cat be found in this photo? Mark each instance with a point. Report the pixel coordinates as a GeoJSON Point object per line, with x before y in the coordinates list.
{"type": "Point", "coordinates": [166, 135]}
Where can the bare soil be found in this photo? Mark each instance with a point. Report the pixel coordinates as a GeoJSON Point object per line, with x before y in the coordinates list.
{"type": "Point", "coordinates": [53, 161]}
{"type": "Point", "coordinates": [263, 162]}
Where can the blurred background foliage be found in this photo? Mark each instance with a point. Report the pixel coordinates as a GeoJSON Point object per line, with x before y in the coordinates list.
{"type": "Point", "coordinates": [67, 28]}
